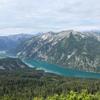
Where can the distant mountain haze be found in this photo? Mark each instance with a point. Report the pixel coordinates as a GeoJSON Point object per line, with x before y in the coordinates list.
{"type": "Point", "coordinates": [10, 43]}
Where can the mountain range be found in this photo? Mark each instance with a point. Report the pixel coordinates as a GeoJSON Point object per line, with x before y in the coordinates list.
{"type": "Point", "coordinates": [70, 49]}
{"type": "Point", "coordinates": [10, 43]}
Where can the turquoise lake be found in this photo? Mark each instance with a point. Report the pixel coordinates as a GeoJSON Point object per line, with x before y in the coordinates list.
{"type": "Point", "coordinates": [61, 70]}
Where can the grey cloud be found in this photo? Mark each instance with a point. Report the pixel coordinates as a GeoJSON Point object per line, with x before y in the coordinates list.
{"type": "Point", "coordinates": [46, 15]}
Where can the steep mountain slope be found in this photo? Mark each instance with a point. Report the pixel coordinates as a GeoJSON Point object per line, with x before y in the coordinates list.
{"type": "Point", "coordinates": [70, 49]}
{"type": "Point", "coordinates": [10, 43]}
{"type": "Point", "coordinates": [12, 64]}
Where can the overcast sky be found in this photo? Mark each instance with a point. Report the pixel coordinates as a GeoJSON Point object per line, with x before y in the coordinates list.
{"type": "Point", "coordinates": [22, 16]}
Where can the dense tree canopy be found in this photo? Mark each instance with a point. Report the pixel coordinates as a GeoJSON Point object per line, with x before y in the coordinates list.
{"type": "Point", "coordinates": [37, 85]}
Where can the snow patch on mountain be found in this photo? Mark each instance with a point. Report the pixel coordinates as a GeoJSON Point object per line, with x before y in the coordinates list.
{"type": "Point", "coordinates": [1, 67]}
{"type": "Point", "coordinates": [44, 37]}
{"type": "Point", "coordinates": [69, 56]}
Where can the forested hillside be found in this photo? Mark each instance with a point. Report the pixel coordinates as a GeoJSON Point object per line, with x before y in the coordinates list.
{"type": "Point", "coordinates": [37, 85]}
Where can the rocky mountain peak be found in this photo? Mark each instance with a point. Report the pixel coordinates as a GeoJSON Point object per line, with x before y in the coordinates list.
{"type": "Point", "coordinates": [71, 49]}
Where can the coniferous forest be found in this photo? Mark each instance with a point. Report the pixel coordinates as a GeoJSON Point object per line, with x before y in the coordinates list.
{"type": "Point", "coordinates": [38, 85]}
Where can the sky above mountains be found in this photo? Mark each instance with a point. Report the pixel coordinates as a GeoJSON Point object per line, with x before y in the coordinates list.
{"type": "Point", "coordinates": [30, 16]}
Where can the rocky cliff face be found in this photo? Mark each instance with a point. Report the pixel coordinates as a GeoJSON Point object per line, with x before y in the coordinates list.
{"type": "Point", "coordinates": [72, 49]}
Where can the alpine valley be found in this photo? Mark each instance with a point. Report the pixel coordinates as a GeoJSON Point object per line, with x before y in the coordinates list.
{"type": "Point", "coordinates": [50, 66]}
{"type": "Point", "coordinates": [70, 49]}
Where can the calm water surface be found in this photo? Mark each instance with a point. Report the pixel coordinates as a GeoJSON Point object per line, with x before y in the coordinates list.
{"type": "Point", "coordinates": [61, 70]}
